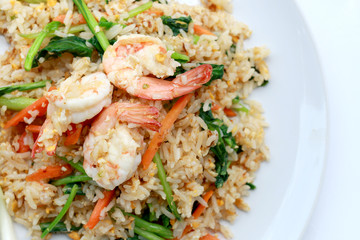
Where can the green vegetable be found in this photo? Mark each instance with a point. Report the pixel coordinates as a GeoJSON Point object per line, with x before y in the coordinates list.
{"type": "Point", "coordinates": [72, 30]}
{"type": "Point", "coordinates": [34, 1]}
{"type": "Point", "coordinates": [166, 185]}
{"type": "Point", "coordinates": [165, 221]}
{"type": "Point", "coordinates": [151, 227]}
{"type": "Point", "coordinates": [252, 186]}
{"type": "Point", "coordinates": [149, 215]}
{"type": "Point", "coordinates": [264, 83]}
{"type": "Point", "coordinates": [16, 103]}
{"type": "Point", "coordinates": [135, 237]}
{"type": "Point", "coordinates": [238, 106]}
{"type": "Point", "coordinates": [106, 24]}
{"type": "Point", "coordinates": [67, 189]}
{"type": "Point", "coordinates": [22, 87]}
{"type": "Point", "coordinates": [147, 235]}
{"type": "Point", "coordinates": [6, 224]}
{"type": "Point", "coordinates": [217, 73]}
{"type": "Point", "coordinates": [219, 150]}
{"type": "Point", "coordinates": [92, 23]}
{"type": "Point", "coordinates": [57, 46]}
{"type": "Point", "coordinates": [49, 28]}
{"type": "Point", "coordinates": [62, 212]}
{"type": "Point", "coordinates": [93, 41]}
{"type": "Point", "coordinates": [181, 58]}
{"type": "Point", "coordinates": [59, 227]}
{"type": "Point", "coordinates": [78, 166]}
{"type": "Point", "coordinates": [132, 13]}
{"type": "Point", "coordinates": [71, 179]}
{"type": "Point", "coordinates": [176, 24]}
{"type": "Point", "coordinates": [196, 39]}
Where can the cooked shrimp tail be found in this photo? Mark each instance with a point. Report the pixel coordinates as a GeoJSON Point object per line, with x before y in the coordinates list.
{"type": "Point", "coordinates": [47, 137]}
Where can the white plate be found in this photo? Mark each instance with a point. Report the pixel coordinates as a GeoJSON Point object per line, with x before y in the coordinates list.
{"type": "Point", "coordinates": [295, 107]}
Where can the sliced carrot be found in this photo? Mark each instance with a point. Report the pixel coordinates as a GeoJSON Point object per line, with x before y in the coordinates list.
{"type": "Point", "coordinates": [215, 107]}
{"type": "Point", "coordinates": [166, 125]}
{"type": "Point", "coordinates": [229, 112]}
{"type": "Point", "coordinates": [22, 147]}
{"type": "Point", "coordinates": [79, 19]}
{"type": "Point", "coordinates": [199, 210]}
{"type": "Point", "coordinates": [73, 135]}
{"type": "Point", "coordinates": [50, 172]}
{"type": "Point", "coordinates": [33, 128]}
{"type": "Point", "coordinates": [100, 205]}
{"type": "Point", "coordinates": [155, 12]}
{"type": "Point", "coordinates": [208, 237]}
{"type": "Point", "coordinates": [200, 30]}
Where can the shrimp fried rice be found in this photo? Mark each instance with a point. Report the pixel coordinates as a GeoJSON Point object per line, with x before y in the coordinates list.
{"type": "Point", "coordinates": [116, 102]}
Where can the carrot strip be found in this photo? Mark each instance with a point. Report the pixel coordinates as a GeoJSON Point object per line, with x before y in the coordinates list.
{"type": "Point", "coordinates": [229, 112]}
{"type": "Point", "coordinates": [215, 107]}
{"type": "Point", "coordinates": [79, 19]}
{"type": "Point", "coordinates": [73, 135]}
{"type": "Point", "coordinates": [199, 210]}
{"type": "Point", "coordinates": [33, 128]}
{"type": "Point", "coordinates": [22, 147]}
{"type": "Point", "coordinates": [199, 30]}
{"type": "Point", "coordinates": [208, 237]}
{"type": "Point", "coordinates": [100, 205]}
{"type": "Point", "coordinates": [166, 125]}
{"type": "Point", "coordinates": [155, 12]}
{"type": "Point", "coordinates": [50, 172]}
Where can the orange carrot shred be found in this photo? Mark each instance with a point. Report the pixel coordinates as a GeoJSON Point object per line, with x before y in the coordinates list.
{"type": "Point", "coordinates": [199, 210]}
{"type": "Point", "coordinates": [166, 125]}
{"type": "Point", "coordinates": [215, 107]}
{"type": "Point", "coordinates": [155, 12]}
{"type": "Point", "coordinates": [100, 205]}
{"type": "Point", "coordinates": [22, 147]}
{"type": "Point", "coordinates": [208, 237]}
{"type": "Point", "coordinates": [199, 30]}
{"type": "Point", "coordinates": [50, 172]}
{"type": "Point", "coordinates": [73, 135]}
{"type": "Point", "coordinates": [229, 112]}
{"type": "Point", "coordinates": [33, 128]}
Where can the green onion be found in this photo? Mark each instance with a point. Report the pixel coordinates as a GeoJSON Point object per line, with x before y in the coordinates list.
{"type": "Point", "coordinates": [92, 23]}
{"type": "Point", "coordinates": [181, 58]}
{"type": "Point", "coordinates": [59, 227]}
{"type": "Point", "coordinates": [49, 28]}
{"type": "Point", "coordinates": [151, 227]}
{"type": "Point", "coordinates": [147, 235]}
{"type": "Point", "coordinates": [72, 30]}
{"type": "Point", "coordinates": [34, 1]}
{"type": "Point", "coordinates": [62, 212]}
{"type": "Point", "coordinates": [71, 179]}
{"type": "Point", "coordinates": [264, 83]}
{"type": "Point", "coordinates": [252, 186]}
{"type": "Point", "coordinates": [22, 87]}
{"type": "Point", "coordinates": [16, 103]}
{"type": "Point", "coordinates": [67, 189]}
{"type": "Point", "coordinates": [196, 39]}
{"type": "Point", "coordinates": [166, 186]}
{"type": "Point", "coordinates": [139, 9]}
{"type": "Point", "coordinates": [242, 108]}
{"type": "Point", "coordinates": [78, 166]}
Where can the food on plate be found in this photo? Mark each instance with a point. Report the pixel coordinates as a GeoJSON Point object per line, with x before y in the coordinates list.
{"type": "Point", "coordinates": [128, 119]}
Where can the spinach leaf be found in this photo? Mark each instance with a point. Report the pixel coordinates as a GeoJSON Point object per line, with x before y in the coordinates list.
{"type": "Point", "coordinates": [217, 73]}
{"type": "Point", "coordinates": [219, 150]}
{"type": "Point", "coordinates": [105, 23]}
{"type": "Point", "coordinates": [93, 41]}
{"type": "Point", "coordinates": [177, 23]}
{"type": "Point", "coordinates": [57, 46]}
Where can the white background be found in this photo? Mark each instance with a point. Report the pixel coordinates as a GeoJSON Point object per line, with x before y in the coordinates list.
{"type": "Point", "coordinates": [335, 27]}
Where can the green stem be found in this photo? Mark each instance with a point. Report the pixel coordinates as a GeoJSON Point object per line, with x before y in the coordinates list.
{"type": "Point", "coordinates": [62, 212]}
{"type": "Point", "coordinates": [147, 235]}
{"type": "Point", "coordinates": [166, 186]}
{"type": "Point", "coordinates": [49, 28]}
{"type": "Point", "coordinates": [17, 103]}
{"type": "Point", "coordinates": [139, 9]}
{"type": "Point", "coordinates": [72, 30]}
{"type": "Point", "coordinates": [92, 23]}
{"type": "Point", "coordinates": [78, 166]}
{"type": "Point", "coordinates": [71, 179]}
{"type": "Point", "coordinates": [22, 87]}
{"type": "Point", "coordinates": [59, 227]}
{"type": "Point", "coordinates": [67, 189]}
{"type": "Point", "coordinates": [151, 227]}
{"type": "Point", "coordinates": [180, 57]}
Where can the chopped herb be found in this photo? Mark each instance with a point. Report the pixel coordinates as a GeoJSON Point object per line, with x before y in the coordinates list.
{"type": "Point", "coordinates": [264, 83]}
{"type": "Point", "coordinates": [59, 227]}
{"type": "Point", "coordinates": [67, 189]}
{"type": "Point", "coordinates": [181, 58]}
{"type": "Point", "coordinates": [106, 24]}
{"type": "Point", "coordinates": [219, 150]}
{"type": "Point", "coordinates": [22, 87]}
{"type": "Point", "coordinates": [196, 39]}
{"type": "Point", "coordinates": [48, 29]}
{"type": "Point", "coordinates": [107, 1]}
{"type": "Point", "coordinates": [176, 24]}
{"type": "Point", "coordinates": [16, 103]}
{"type": "Point", "coordinates": [132, 13]}
{"type": "Point", "coordinates": [252, 186]}
{"type": "Point", "coordinates": [62, 212]}
{"type": "Point", "coordinates": [57, 46]}
{"type": "Point", "coordinates": [238, 106]}
{"type": "Point", "coordinates": [217, 73]}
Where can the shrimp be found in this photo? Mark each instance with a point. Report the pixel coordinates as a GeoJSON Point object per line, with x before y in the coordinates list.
{"type": "Point", "coordinates": [128, 62]}
{"type": "Point", "coordinates": [73, 102]}
{"type": "Point", "coordinates": [112, 149]}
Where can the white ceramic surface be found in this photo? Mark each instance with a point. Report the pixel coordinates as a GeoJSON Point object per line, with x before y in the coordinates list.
{"type": "Point", "coordinates": [294, 104]}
